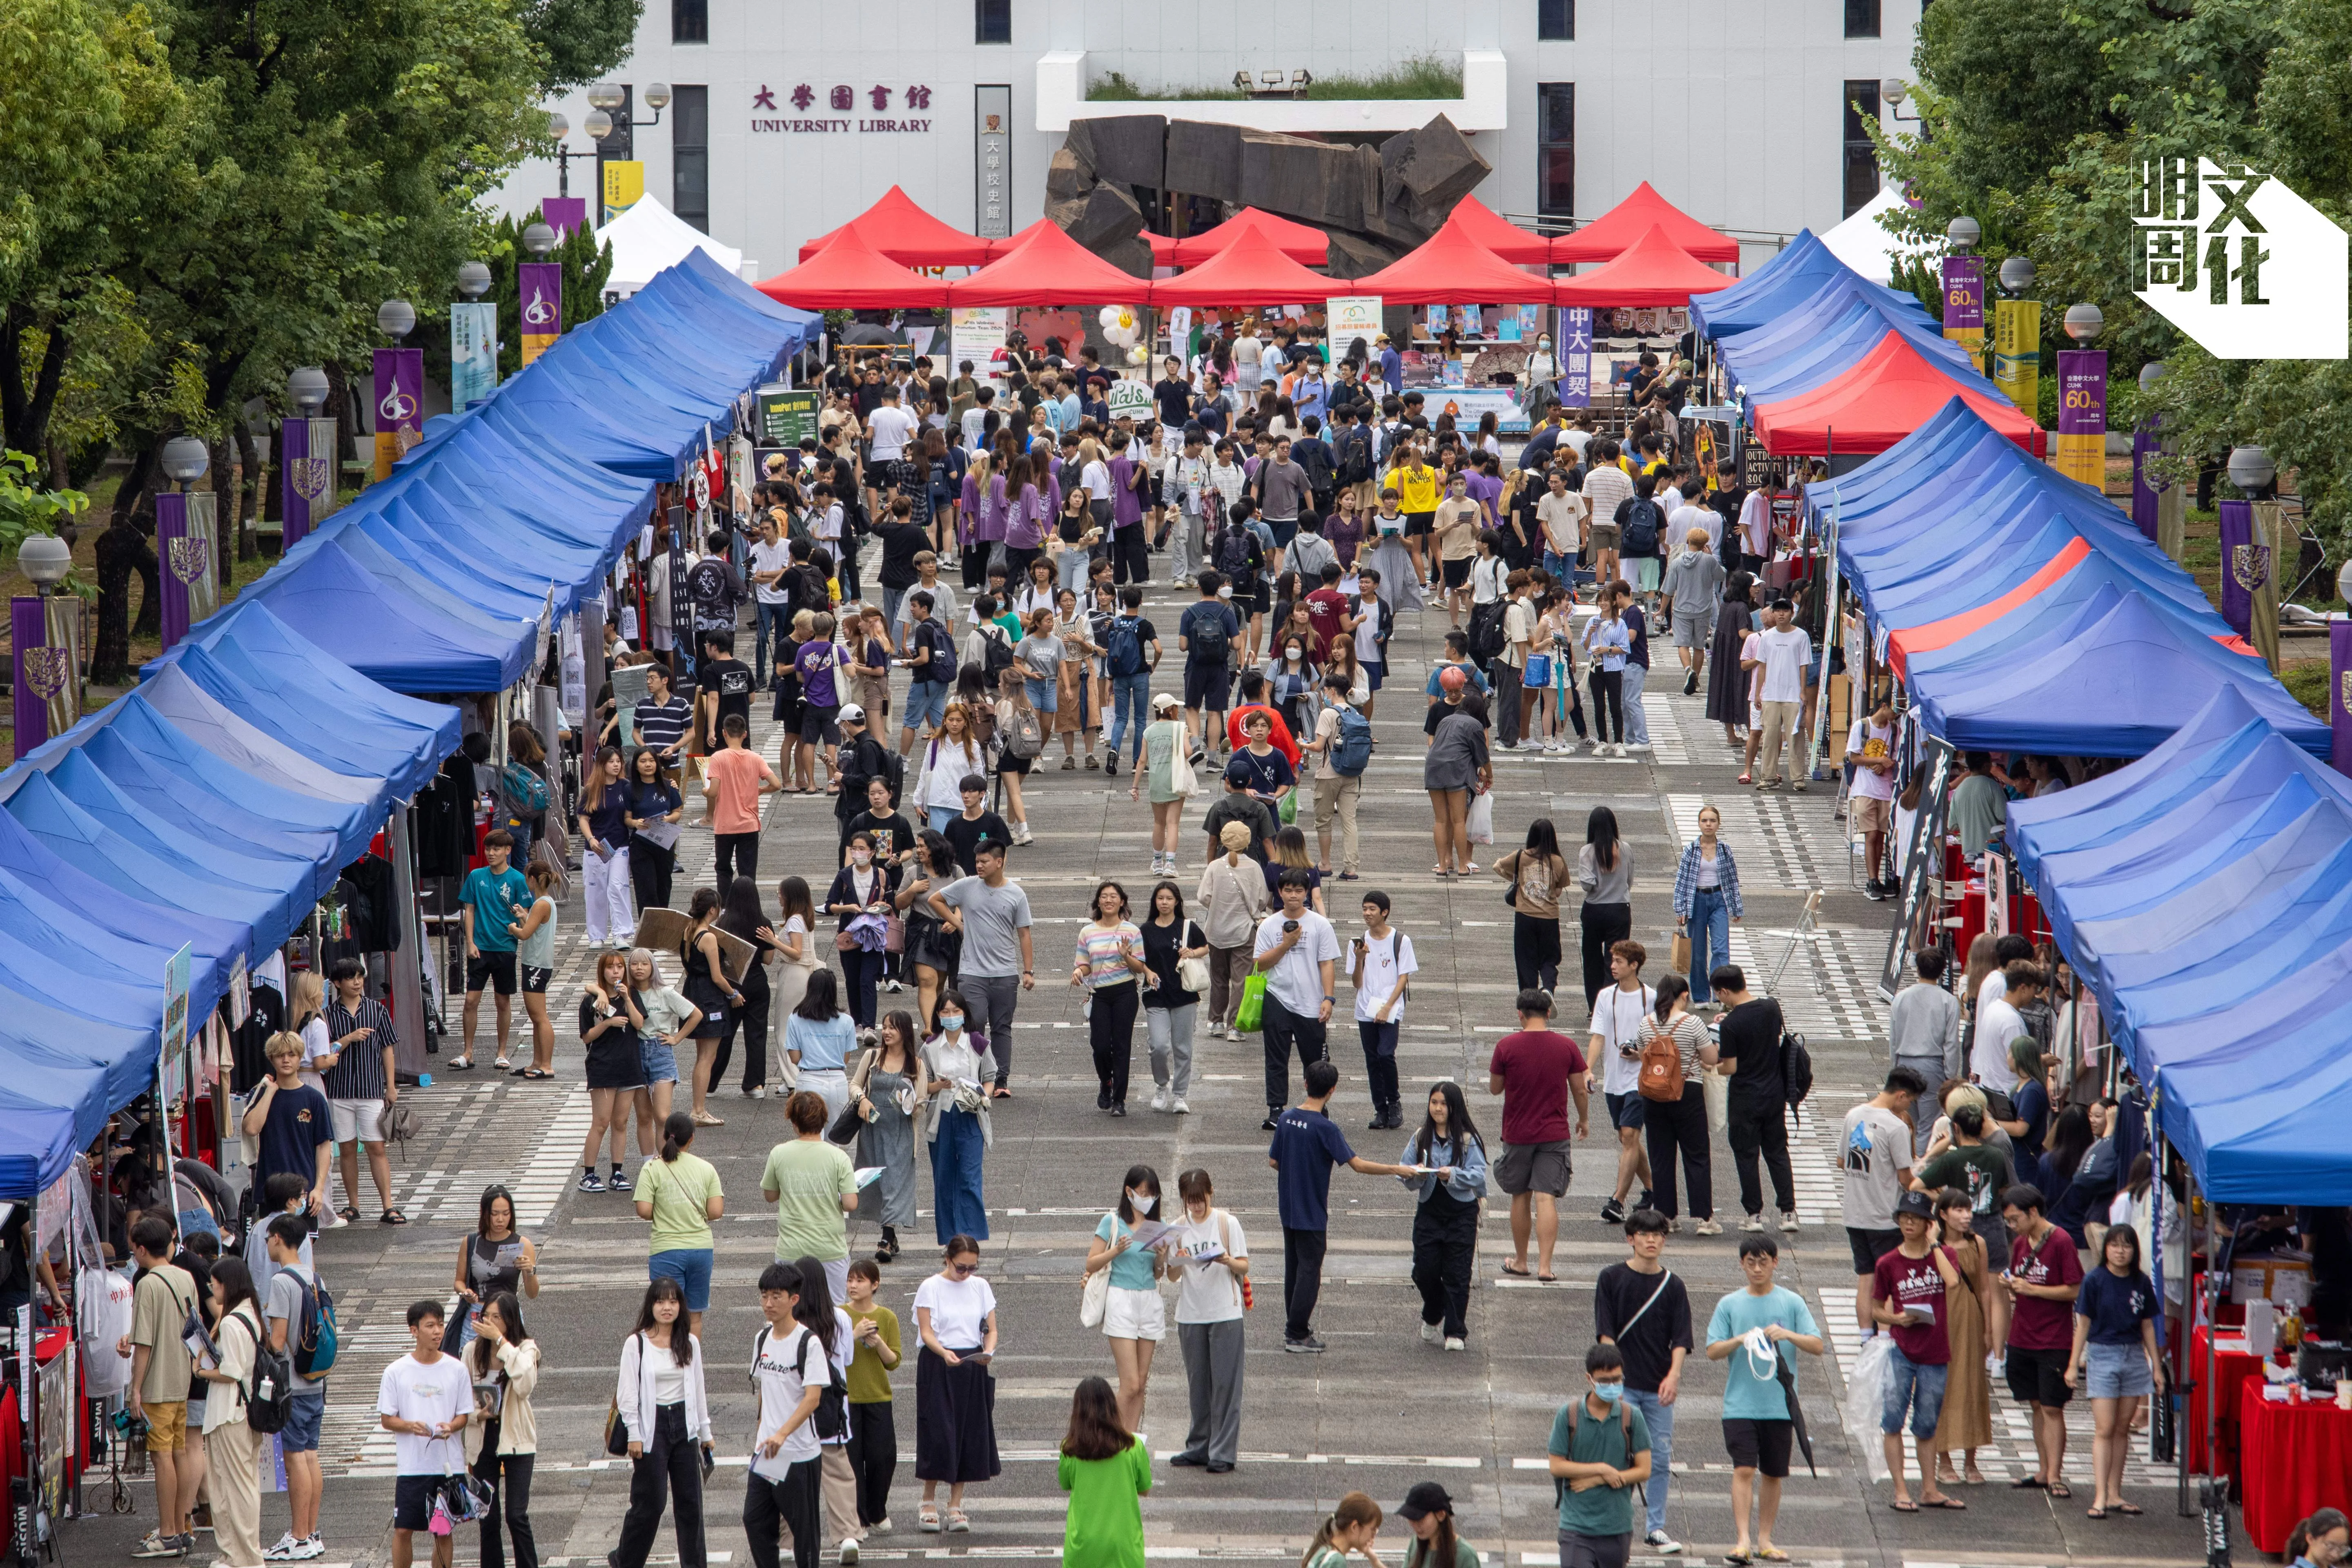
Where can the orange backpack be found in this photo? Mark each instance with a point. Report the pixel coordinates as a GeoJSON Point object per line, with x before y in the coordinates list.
{"type": "Point", "coordinates": [1662, 1063]}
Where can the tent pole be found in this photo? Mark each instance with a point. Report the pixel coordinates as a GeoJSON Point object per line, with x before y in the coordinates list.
{"type": "Point", "coordinates": [408, 958]}
{"type": "Point", "coordinates": [1814, 748]}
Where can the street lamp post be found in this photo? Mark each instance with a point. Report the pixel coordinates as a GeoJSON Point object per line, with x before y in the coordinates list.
{"type": "Point", "coordinates": [473, 339]}
{"type": "Point", "coordinates": [184, 539]}
{"type": "Point", "coordinates": [538, 292]}
{"type": "Point", "coordinates": [2252, 541]}
{"type": "Point", "coordinates": [2017, 338]}
{"type": "Point", "coordinates": [1895, 90]}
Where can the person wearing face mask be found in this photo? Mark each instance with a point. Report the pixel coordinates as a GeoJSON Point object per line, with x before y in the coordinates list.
{"type": "Point", "coordinates": [1133, 1320]}
{"type": "Point", "coordinates": [1600, 1461]}
{"type": "Point", "coordinates": [956, 1070]}
{"type": "Point", "coordinates": [1291, 678]}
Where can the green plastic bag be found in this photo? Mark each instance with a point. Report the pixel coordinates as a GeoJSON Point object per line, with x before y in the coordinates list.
{"type": "Point", "coordinates": [1252, 1017]}
{"type": "Point", "coordinates": [1290, 807]}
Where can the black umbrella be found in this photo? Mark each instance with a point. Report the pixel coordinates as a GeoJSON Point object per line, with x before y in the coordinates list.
{"type": "Point", "coordinates": [1788, 1375]}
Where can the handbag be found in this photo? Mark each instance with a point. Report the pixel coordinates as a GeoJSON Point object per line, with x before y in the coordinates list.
{"type": "Point", "coordinates": [1719, 1102]}
{"type": "Point", "coordinates": [1251, 1016]}
{"type": "Point", "coordinates": [1192, 974]}
{"type": "Point", "coordinates": [894, 932]}
{"type": "Point", "coordinates": [1095, 1298]}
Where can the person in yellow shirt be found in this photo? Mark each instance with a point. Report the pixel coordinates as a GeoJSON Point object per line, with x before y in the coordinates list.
{"type": "Point", "coordinates": [1416, 486]}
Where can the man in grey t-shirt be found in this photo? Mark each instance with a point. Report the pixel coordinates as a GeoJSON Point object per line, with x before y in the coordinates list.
{"type": "Point", "coordinates": [289, 1280]}
{"type": "Point", "coordinates": [997, 965]}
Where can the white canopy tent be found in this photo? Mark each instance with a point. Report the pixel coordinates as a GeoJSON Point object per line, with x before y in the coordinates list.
{"type": "Point", "coordinates": [648, 238]}
{"type": "Point", "coordinates": [1865, 244]}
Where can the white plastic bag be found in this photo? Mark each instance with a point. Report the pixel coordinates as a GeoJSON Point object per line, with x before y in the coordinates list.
{"type": "Point", "coordinates": [1481, 821]}
{"type": "Point", "coordinates": [1719, 1102]}
{"type": "Point", "coordinates": [1865, 1393]}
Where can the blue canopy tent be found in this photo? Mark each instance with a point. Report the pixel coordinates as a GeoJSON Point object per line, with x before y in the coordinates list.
{"type": "Point", "coordinates": [54, 1100]}
{"type": "Point", "coordinates": [2203, 894]}
{"type": "Point", "coordinates": [407, 636]}
{"type": "Point", "coordinates": [136, 726]}
{"type": "Point", "coordinates": [1824, 337]}
{"type": "Point", "coordinates": [181, 799]}
{"type": "Point", "coordinates": [401, 757]}
{"type": "Point", "coordinates": [1803, 267]}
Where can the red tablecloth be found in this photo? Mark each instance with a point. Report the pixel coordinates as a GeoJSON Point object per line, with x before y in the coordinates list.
{"type": "Point", "coordinates": [2232, 1368]}
{"type": "Point", "coordinates": [2297, 1458]}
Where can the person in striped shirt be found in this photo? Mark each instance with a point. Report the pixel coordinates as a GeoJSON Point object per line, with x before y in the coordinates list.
{"type": "Point", "coordinates": [661, 720]}
{"type": "Point", "coordinates": [360, 1083]}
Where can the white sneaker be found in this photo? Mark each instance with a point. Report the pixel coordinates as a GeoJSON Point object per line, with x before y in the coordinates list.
{"type": "Point", "coordinates": [1789, 1221]}
{"type": "Point", "coordinates": [284, 1548]}
{"type": "Point", "coordinates": [1753, 1221]}
{"type": "Point", "coordinates": [761, 1092]}
{"type": "Point", "coordinates": [1160, 1100]}
{"type": "Point", "coordinates": [312, 1547]}
{"type": "Point", "coordinates": [1429, 1334]}
{"type": "Point", "coordinates": [849, 1554]}
{"type": "Point", "coordinates": [879, 1527]}
{"type": "Point", "coordinates": [1664, 1545]}
{"type": "Point", "coordinates": [1638, 746]}
{"type": "Point", "coordinates": [1454, 1344]}
{"type": "Point", "coordinates": [1709, 1227]}
{"type": "Point", "coordinates": [1179, 1108]}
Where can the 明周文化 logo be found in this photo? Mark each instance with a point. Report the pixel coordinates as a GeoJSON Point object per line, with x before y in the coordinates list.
{"type": "Point", "coordinates": [2240, 264]}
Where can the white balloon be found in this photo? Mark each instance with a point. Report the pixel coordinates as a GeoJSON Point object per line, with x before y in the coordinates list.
{"type": "Point", "coordinates": [1108, 317]}
{"type": "Point", "coordinates": [1137, 354]}
{"type": "Point", "coordinates": [1119, 336]}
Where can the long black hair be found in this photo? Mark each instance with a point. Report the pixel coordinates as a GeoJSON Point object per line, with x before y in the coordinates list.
{"type": "Point", "coordinates": [509, 1311]}
{"type": "Point", "coordinates": [821, 1003]}
{"type": "Point", "coordinates": [813, 1310]}
{"type": "Point", "coordinates": [2070, 1140]}
{"type": "Point", "coordinates": [1542, 840]}
{"type": "Point", "coordinates": [1457, 1123]}
{"type": "Point", "coordinates": [680, 1342]}
{"type": "Point", "coordinates": [491, 1194]}
{"type": "Point", "coordinates": [743, 914]}
{"type": "Point", "coordinates": [1600, 837]}
{"type": "Point", "coordinates": [1144, 1177]}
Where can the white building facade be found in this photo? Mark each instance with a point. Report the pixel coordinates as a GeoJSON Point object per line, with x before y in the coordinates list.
{"type": "Point", "coordinates": [790, 117]}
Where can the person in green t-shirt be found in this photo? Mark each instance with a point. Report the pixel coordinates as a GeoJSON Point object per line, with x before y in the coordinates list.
{"type": "Point", "coordinates": [815, 1189]}
{"type": "Point", "coordinates": [1106, 1469]}
{"type": "Point", "coordinates": [1429, 1509]}
{"type": "Point", "coordinates": [873, 1434]}
{"type": "Point", "coordinates": [1976, 1167]}
{"type": "Point", "coordinates": [491, 902]}
{"type": "Point", "coordinates": [1600, 1460]}
{"type": "Point", "coordinates": [681, 1195]}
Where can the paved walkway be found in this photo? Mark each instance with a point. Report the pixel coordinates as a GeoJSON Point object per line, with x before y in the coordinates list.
{"type": "Point", "coordinates": [1381, 1410]}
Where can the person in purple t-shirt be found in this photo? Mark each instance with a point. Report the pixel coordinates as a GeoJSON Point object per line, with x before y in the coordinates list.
{"type": "Point", "coordinates": [1130, 491]}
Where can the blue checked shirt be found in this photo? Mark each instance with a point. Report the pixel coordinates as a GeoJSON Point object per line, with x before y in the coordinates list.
{"type": "Point", "coordinates": [1726, 879]}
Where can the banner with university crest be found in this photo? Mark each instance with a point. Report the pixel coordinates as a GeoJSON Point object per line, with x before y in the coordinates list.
{"type": "Point", "coordinates": [2340, 689]}
{"type": "Point", "coordinates": [2245, 565]}
{"type": "Point", "coordinates": [309, 480]}
{"type": "Point", "coordinates": [186, 546]}
{"type": "Point", "coordinates": [47, 634]}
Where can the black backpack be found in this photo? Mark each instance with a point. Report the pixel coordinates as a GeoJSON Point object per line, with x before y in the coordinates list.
{"type": "Point", "coordinates": [1209, 640]}
{"type": "Point", "coordinates": [1642, 525]}
{"type": "Point", "coordinates": [269, 1396]}
{"type": "Point", "coordinates": [1238, 556]}
{"type": "Point", "coordinates": [1486, 631]}
{"type": "Point", "coordinates": [995, 652]}
{"type": "Point", "coordinates": [831, 1417]}
{"type": "Point", "coordinates": [1796, 1067]}
{"type": "Point", "coordinates": [1355, 457]}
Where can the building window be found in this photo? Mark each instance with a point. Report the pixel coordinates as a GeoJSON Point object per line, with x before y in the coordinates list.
{"type": "Point", "coordinates": [690, 21]}
{"type": "Point", "coordinates": [1862, 19]}
{"type": "Point", "coordinates": [1554, 21]}
{"type": "Point", "coordinates": [689, 155]}
{"type": "Point", "coordinates": [1861, 157]}
{"type": "Point", "coordinates": [1556, 149]}
{"type": "Point", "coordinates": [992, 21]}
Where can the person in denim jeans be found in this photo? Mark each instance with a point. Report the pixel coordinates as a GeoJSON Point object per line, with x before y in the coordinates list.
{"type": "Point", "coordinates": [1907, 1299]}
{"type": "Point", "coordinates": [1131, 689]}
{"type": "Point", "coordinates": [1640, 1307]}
{"type": "Point", "coordinates": [1707, 899]}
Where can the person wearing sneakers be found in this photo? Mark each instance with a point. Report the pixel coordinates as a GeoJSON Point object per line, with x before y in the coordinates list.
{"type": "Point", "coordinates": [1640, 1307]}
{"type": "Point", "coordinates": [162, 1369]}
{"type": "Point", "coordinates": [1748, 1053]}
{"type": "Point", "coordinates": [1160, 752]}
{"type": "Point", "coordinates": [1618, 1010]}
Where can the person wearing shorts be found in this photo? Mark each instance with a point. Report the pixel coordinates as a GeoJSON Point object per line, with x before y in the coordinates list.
{"type": "Point", "coordinates": [362, 1079]}
{"type": "Point", "coordinates": [491, 902]}
{"type": "Point", "coordinates": [2043, 1278]}
{"type": "Point", "coordinates": [1536, 1071]}
{"type": "Point", "coordinates": [1906, 1304]}
{"type": "Point", "coordinates": [1757, 1430]}
{"type": "Point", "coordinates": [426, 1398]}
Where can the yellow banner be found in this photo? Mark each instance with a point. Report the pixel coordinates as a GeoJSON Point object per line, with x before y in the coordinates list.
{"type": "Point", "coordinates": [624, 187]}
{"type": "Point", "coordinates": [2081, 457]}
{"type": "Point", "coordinates": [1971, 338]}
{"type": "Point", "coordinates": [2017, 352]}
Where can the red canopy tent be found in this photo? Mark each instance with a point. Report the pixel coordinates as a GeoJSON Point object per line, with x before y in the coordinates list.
{"type": "Point", "coordinates": [1507, 240]}
{"type": "Point", "coordinates": [1653, 270]}
{"type": "Point", "coordinates": [850, 275]}
{"type": "Point", "coordinates": [1295, 240]}
{"type": "Point", "coordinates": [1019, 237]}
{"type": "Point", "coordinates": [1891, 393]}
{"type": "Point", "coordinates": [1048, 268]}
{"type": "Point", "coordinates": [1617, 229]}
{"type": "Point", "coordinates": [1250, 271]}
{"type": "Point", "coordinates": [1452, 268]}
{"type": "Point", "coordinates": [908, 234]}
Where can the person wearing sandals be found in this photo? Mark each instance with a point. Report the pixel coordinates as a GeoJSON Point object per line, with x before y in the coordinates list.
{"type": "Point", "coordinates": [707, 987]}
{"type": "Point", "coordinates": [1455, 767]}
{"type": "Point", "coordinates": [2114, 1354]}
{"type": "Point", "coordinates": [956, 1066]}
{"type": "Point", "coordinates": [360, 1083]}
{"type": "Point", "coordinates": [1906, 1300]}
{"type": "Point", "coordinates": [2043, 1280]}
{"type": "Point", "coordinates": [502, 1439]}
{"type": "Point", "coordinates": [1758, 1431]}
{"type": "Point", "coordinates": [662, 1405]}
{"type": "Point", "coordinates": [1133, 1319]}
{"type": "Point", "coordinates": [670, 1019]}
{"type": "Point", "coordinates": [1106, 1469]}
{"type": "Point", "coordinates": [535, 966]}
{"type": "Point", "coordinates": [680, 1194]}
{"type": "Point", "coordinates": [1965, 1423]}
{"type": "Point", "coordinates": [610, 1019]}
{"type": "Point", "coordinates": [955, 1397]}
{"type": "Point", "coordinates": [886, 1101]}
{"type": "Point", "coordinates": [495, 1259]}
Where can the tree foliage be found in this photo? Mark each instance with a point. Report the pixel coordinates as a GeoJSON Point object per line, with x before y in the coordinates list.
{"type": "Point", "coordinates": [579, 40]}
{"type": "Point", "coordinates": [2031, 114]}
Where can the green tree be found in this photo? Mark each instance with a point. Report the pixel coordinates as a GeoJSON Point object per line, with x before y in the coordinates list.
{"type": "Point", "coordinates": [579, 40]}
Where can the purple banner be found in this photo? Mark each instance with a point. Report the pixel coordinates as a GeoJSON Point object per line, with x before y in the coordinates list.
{"type": "Point", "coordinates": [2339, 691]}
{"type": "Point", "coordinates": [2145, 444]}
{"type": "Point", "coordinates": [399, 405]}
{"type": "Point", "coordinates": [1576, 357]}
{"type": "Point", "coordinates": [28, 628]}
{"type": "Point", "coordinates": [2241, 570]}
{"type": "Point", "coordinates": [539, 294]}
{"type": "Point", "coordinates": [1963, 292]}
{"type": "Point", "coordinates": [564, 214]}
{"type": "Point", "coordinates": [2082, 391]}
{"type": "Point", "coordinates": [298, 478]}
{"type": "Point", "coordinates": [171, 536]}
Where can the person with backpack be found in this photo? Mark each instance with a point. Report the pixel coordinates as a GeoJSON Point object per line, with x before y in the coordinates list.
{"type": "Point", "coordinates": [1131, 654]}
{"type": "Point", "coordinates": [1238, 553]}
{"type": "Point", "coordinates": [1206, 635]}
{"type": "Point", "coordinates": [1641, 524]}
{"type": "Point", "coordinates": [1752, 1033]}
{"type": "Point", "coordinates": [299, 1317]}
{"type": "Point", "coordinates": [1642, 1309]}
{"type": "Point", "coordinates": [1600, 1457]}
{"type": "Point", "coordinates": [1343, 741]}
{"type": "Point", "coordinates": [232, 1448]}
{"type": "Point", "coordinates": [793, 1374]}
{"type": "Point", "coordinates": [1675, 1052]}
{"type": "Point", "coordinates": [425, 1399]}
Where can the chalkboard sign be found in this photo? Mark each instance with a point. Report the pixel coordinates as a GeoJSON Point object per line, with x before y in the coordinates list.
{"type": "Point", "coordinates": [787, 414]}
{"type": "Point", "coordinates": [1755, 463]}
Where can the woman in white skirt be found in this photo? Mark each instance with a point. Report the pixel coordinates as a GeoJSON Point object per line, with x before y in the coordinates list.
{"type": "Point", "coordinates": [1134, 1319]}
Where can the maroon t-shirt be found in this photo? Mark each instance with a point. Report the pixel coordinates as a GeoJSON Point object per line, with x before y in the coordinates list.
{"type": "Point", "coordinates": [2039, 1323]}
{"type": "Point", "coordinates": [1324, 608]}
{"type": "Point", "coordinates": [1914, 1282]}
{"type": "Point", "coordinates": [1535, 1065]}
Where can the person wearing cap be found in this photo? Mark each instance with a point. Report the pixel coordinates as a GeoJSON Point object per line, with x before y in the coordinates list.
{"type": "Point", "coordinates": [1600, 1452]}
{"type": "Point", "coordinates": [862, 759]}
{"type": "Point", "coordinates": [1162, 750]}
{"type": "Point", "coordinates": [1907, 1298]}
{"type": "Point", "coordinates": [1429, 1511]}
